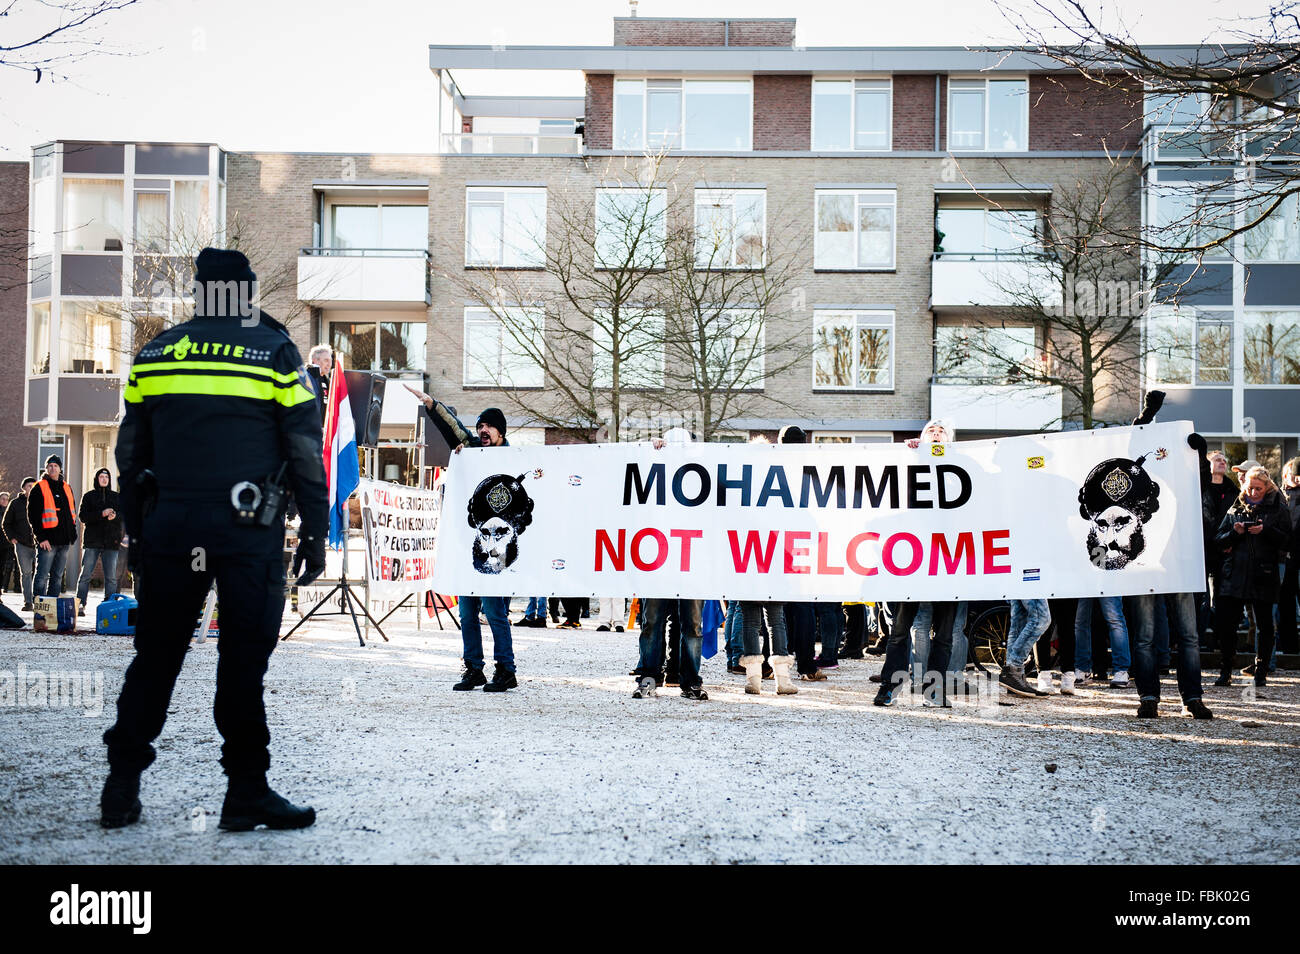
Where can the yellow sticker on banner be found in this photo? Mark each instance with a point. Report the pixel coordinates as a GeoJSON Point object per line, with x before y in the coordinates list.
{"type": "Point", "coordinates": [936, 450]}
{"type": "Point", "coordinates": [1036, 462]}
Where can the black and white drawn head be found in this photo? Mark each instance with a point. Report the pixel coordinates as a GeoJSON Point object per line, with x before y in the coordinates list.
{"type": "Point", "coordinates": [499, 511]}
{"type": "Point", "coordinates": [1117, 499]}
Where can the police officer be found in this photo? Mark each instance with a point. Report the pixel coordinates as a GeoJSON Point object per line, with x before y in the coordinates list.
{"type": "Point", "coordinates": [220, 424]}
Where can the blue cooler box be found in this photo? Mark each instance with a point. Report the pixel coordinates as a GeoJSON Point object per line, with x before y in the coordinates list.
{"type": "Point", "coordinates": [116, 615]}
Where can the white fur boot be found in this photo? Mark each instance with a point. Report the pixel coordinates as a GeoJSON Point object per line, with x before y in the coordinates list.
{"type": "Point", "coordinates": [753, 674]}
{"type": "Point", "coordinates": [781, 667]}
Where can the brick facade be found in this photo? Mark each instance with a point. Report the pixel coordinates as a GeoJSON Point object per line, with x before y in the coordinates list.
{"type": "Point", "coordinates": [652, 31]}
{"type": "Point", "coordinates": [17, 443]}
{"type": "Point", "coordinates": [599, 111]}
{"type": "Point", "coordinates": [782, 112]}
{"type": "Point", "coordinates": [1068, 112]}
{"type": "Point", "coordinates": [914, 98]}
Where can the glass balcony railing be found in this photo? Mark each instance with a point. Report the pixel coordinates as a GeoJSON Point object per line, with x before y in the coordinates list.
{"type": "Point", "coordinates": [1219, 142]}
{"type": "Point", "coordinates": [514, 143]}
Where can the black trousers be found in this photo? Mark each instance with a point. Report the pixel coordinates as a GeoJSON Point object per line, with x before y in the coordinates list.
{"type": "Point", "coordinates": [855, 631]}
{"type": "Point", "coordinates": [1286, 607]}
{"type": "Point", "coordinates": [1226, 616]}
{"type": "Point", "coordinates": [250, 591]}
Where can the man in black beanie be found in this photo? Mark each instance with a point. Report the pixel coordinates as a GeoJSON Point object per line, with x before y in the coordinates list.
{"type": "Point", "coordinates": [220, 427]}
{"type": "Point", "coordinates": [491, 432]}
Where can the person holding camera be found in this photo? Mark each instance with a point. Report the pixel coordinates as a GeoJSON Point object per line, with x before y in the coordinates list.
{"type": "Point", "coordinates": [1254, 535]}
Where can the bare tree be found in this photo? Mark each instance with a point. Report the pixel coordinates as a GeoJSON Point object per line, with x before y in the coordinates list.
{"type": "Point", "coordinates": [1076, 305]}
{"type": "Point", "coordinates": [587, 314]}
{"type": "Point", "coordinates": [42, 37]}
{"type": "Point", "coordinates": [1231, 101]}
{"type": "Point", "coordinates": [732, 309]}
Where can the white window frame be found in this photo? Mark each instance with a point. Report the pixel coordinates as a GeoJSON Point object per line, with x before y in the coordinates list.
{"type": "Point", "coordinates": [755, 377]}
{"type": "Point", "coordinates": [988, 99]}
{"type": "Point", "coordinates": [1194, 317]}
{"type": "Point", "coordinates": [683, 133]}
{"type": "Point", "coordinates": [603, 378]}
{"type": "Point", "coordinates": [478, 315]}
{"type": "Point", "coordinates": [858, 194]}
{"type": "Point", "coordinates": [1168, 189]}
{"type": "Point", "coordinates": [1241, 327]}
{"type": "Point", "coordinates": [853, 82]}
{"type": "Point", "coordinates": [882, 318]}
{"type": "Point", "coordinates": [723, 197]}
{"type": "Point", "coordinates": [662, 238]}
{"type": "Point", "coordinates": [475, 195]}
{"type": "Point", "coordinates": [854, 437]}
{"type": "Point", "coordinates": [377, 204]}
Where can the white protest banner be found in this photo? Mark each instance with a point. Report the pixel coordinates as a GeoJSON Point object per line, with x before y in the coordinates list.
{"type": "Point", "coordinates": [1085, 513]}
{"type": "Point", "coordinates": [400, 525]}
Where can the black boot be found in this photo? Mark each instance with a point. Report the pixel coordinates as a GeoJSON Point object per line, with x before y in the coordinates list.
{"type": "Point", "coordinates": [119, 805]}
{"type": "Point", "coordinates": [502, 679]}
{"type": "Point", "coordinates": [1198, 709]}
{"type": "Point", "coordinates": [250, 802]}
{"type": "Point", "coordinates": [1148, 709]}
{"type": "Point", "coordinates": [471, 678]}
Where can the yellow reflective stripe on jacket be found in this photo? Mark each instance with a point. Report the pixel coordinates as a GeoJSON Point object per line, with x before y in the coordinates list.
{"type": "Point", "coordinates": [285, 376]}
{"type": "Point", "coordinates": [218, 385]}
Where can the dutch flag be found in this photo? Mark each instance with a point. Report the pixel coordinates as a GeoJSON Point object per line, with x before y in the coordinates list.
{"type": "Point", "coordinates": [342, 472]}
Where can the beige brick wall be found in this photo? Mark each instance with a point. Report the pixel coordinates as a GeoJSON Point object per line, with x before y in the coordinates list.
{"type": "Point", "coordinates": [273, 191]}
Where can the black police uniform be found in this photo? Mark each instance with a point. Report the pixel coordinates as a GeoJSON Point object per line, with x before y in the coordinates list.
{"type": "Point", "coordinates": [210, 403]}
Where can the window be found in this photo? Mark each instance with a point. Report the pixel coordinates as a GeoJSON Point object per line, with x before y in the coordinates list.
{"type": "Point", "coordinates": [1276, 238]}
{"type": "Point", "coordinates": [379, 227]}
{"type": "Point", "coordinates": [40, 338]}
{"type": "Point", "coordinates": [1272, 347]}
{"type": "Point", "coordinates": [152, 221]}
{"type": "Point", "coordinates": [855, 230]}
{"type": "Point", "coordinates": [852, 437]}
{"type": "Point", "coordinates": [505, 227]}
{"type": "Point", "coordinates": [503, 353]}
{"type": "Point", "coordinates": [734, 349]}
{"type": "Point", "coordinates": [853, 349]}
{"type": "Point", "coordinates": [1187, 348]}
{"type": "Point", "coordinates": [631, 227]}
{"type": "Point", "coordinates": [657, 114]}
{"type": "Point", "coordinates": [89, 340]}
{"type": "Point", "coordinates": [851, 114]}
{"type": "Point", "coordinates": [1191, 216]}
{"type": "Point", "coordinates": [380, 346]}
{"type": "Point", "coordinates": [43, 217]}
{"type": "Point", "coordinates": [92, 215]}
{"type": "Point", "coordinates": [979, 354]}
{"type": "Point", "coordinates": [730, 227]}
{"type": "Point", "coordinates": [193, 224]}
{"type": "Point", "coordinates": [988, 114]}
{"type": "Point", "coordinates": [987, 231]}
{"type": "Point", "coordinates": [640, 350]}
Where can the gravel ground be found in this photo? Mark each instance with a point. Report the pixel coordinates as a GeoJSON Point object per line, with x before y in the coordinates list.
{"type": "Point", "coordinates": [569, 768]}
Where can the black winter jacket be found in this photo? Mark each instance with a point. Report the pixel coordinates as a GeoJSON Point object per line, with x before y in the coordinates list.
{"type": "Point", "coordinates": [1250, 566]}
{"type": "Point", "coordinates": [101, 533]}
{"type": "Point", "coordinates": [16, 525]}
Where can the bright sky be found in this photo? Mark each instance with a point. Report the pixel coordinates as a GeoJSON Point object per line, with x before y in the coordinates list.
{"type": "Point", "coordinates": [342, 75]}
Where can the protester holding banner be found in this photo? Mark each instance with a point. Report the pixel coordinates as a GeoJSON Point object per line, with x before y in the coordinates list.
{"type": "Point", "coordinates": [941, 617]}
{"type": "Point", "coordinates": [491, 432]}
{"type": "Point", "coordinates": [1256, 532]}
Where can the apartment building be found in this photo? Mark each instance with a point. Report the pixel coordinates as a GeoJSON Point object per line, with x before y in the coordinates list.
{"type": "Point", "coordinates": [919, 178]}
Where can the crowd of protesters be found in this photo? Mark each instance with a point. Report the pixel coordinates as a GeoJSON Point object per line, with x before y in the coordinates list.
{"type": "Point", "coordinates": [43, 522]}
{"type": "Point", "coordinates": [1252, 564]}
{"type": "Point", "coordinates": [1252, 554]}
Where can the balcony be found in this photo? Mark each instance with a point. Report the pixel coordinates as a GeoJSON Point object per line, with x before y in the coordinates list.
{"type": "Point", "coordinates": [1219, 142]}
{"type": "Point", "coordinates": [486, 144]}
{"type": "Point", "coordinates": [994, 279]}
{"type": "Point", "coordinates": [997, 407]}
{"type": "Point", "coordinates": [364, 276]}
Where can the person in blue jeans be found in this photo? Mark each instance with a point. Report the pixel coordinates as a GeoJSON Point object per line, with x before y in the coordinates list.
{"type": "Point", "coordinates": [101, 538]}
{"type": "Point", "coordinates": [1112, 610]}
{"type": "Point", "coordinates": [1180, 608]}
{"type": "Point", "coordinates": [471, 635]}
{"type": "Point", "coordinates": [1029, 620]}
{"type": "Point", "coordinates": [535, 613]}
{"type": "Point", "coordinates": [650, 665]}
{"type": "Point", "coordinates": [753, 615]}
{"type": "Point", "coordinates": [733, 635]}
